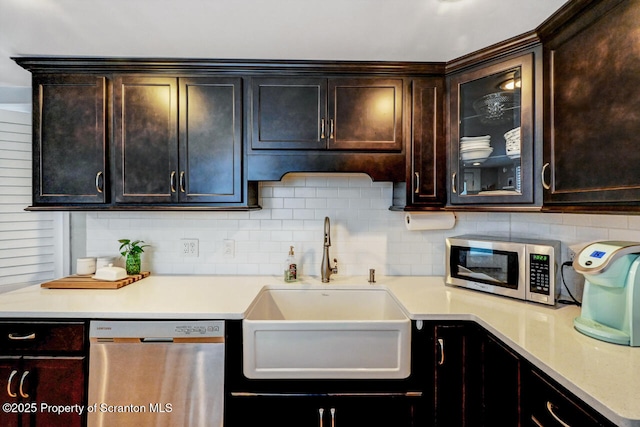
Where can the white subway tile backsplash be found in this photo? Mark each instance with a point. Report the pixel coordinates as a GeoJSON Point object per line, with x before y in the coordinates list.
{"type": "Point", "coordinates": [282, 192]}
{"type": "Point", "coordinates": [304, 192]}
{"type": "Point", "coordinates": [317, 181]}
{"type": "Point", "coordinates": [292, 203]}
{"type": "Point", "coordinates": [364, 232]}
{"type": "Point", "coordinates": [319, 203]}
{"type": "Point", "coordinates": [282, 214]}
{"type": "Point", "coordinates": [624, 234]}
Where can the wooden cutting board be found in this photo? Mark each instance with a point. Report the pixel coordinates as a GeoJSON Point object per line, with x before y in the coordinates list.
{"type": "Point", "coordinates": [86, 282]}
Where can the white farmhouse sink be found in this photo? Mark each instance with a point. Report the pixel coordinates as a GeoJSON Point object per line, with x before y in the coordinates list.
{"type": "Point", "coordinates": [326, 332]}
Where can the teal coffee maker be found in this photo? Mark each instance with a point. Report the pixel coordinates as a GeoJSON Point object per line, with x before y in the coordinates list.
{"type": "Point", "coordinates": [611, 298]}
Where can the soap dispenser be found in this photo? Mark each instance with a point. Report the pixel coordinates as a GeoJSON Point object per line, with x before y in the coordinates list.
{"type": "Point", "coordinates": [291, 267]}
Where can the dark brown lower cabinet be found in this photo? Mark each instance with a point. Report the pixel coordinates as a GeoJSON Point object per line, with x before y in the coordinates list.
{"type": "Point", "coordinates": [34, 388]}
{"type": "Point", "coordinates": [326, 402]}
{"type": "Point", "coordinates": [465, 376]}
{"type": "Point", "coordinates": [42, 368]}
{"type": "Point", "coordinates": [456, 375]}
{"type": "Point", "coordinates": [476, 378]}
{"type": "Point", "coordinates": [314, 411]}
{"type": "Point", "coordinates": [548, 404]}
{"type": "Point", "coordinates": [500, 384]}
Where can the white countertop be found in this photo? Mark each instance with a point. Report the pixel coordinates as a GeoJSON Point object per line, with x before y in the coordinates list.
{"type": "Point", "coordinates": [606, 376]}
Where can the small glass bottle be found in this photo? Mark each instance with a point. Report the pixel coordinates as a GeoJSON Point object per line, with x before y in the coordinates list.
{"type": "Point", "coordinates": [290, 267]}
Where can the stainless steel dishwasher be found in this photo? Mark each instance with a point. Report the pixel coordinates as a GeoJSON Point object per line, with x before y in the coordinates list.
{"type": "Point", "coordinates": [156, 373]}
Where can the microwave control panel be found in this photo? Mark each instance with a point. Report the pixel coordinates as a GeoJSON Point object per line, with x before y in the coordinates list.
{"type": "Point", "coordinates": [539, 274]}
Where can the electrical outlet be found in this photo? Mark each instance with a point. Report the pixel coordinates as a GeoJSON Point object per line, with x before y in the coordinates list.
{"type": "Point", "coordinates": [189, 247]}
{"type": "Point", "coordinates": [229, 248]}
{"type": "Point", "coordinates": [571, 254]}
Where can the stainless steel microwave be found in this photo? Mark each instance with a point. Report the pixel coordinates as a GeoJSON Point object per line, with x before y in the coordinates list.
{"type": "Point", "coordinates": [526, 269]}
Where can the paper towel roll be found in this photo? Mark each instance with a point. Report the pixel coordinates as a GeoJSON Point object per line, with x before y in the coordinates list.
{"type": "Point", "coordinates": [429, 220]}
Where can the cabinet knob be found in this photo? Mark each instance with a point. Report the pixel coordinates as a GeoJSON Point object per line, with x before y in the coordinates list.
{"type": "Point", "coordinates": [322, 126]}
{"type": "Point", "coordinates": [453, 184]}
{"type": "Point", "coordinates": [22, 392]}
{"type": "Point", "coordinates": [550, 407]}
{"type": "Point", "coordinates": [11, 375]}
{"type": "Point", "coordinates": [182, 183]}
{"type": "Point", "coordinates": [535, 421]}
{"type": "Point", "coordinates": [441, 351]}
{"type": "Point", "coordinates": [321, 414]}
{"type": "Point", "coordinates": [545, 185]}
{"type": "Point", "coordinates": [16, 337]}
{"type": "Point", "coordinates": [331, 129]}
{"type": "Point", "coordinates": [99, 182]}
{"type": "Point", "coordinates": [417, 189]}
{"type": "Point", "coordinates": [172, 181]}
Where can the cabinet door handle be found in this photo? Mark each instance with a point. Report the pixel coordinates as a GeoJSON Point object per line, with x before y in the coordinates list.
{"type": "Point", "coordinates": [550, 407]}
{"type": "Point", "coordinates": [331, 129]}
{"type": "Point", "coordinates": [182, 184]}
{"type": "Point", "coordinates": [322, 126]}
{"type": "Point", "coordinates": [22, 393]}
{"type": "Point", "coordinates": [441, 349]}
{"type": "Point", "coordinates": [16, 337]}
{"type": "Point", "coordinates": [536, 422]}
{"type": "Point", "coordinates": [417, 190]}
{"type": "Point", "coordinates": [333, 417]}
{"type": "Point", "coordinates": [545, 185]}
{"type": "Point", "coordinates": [9, 381]}
{"type": "Point", "coordinates": [321, 414]}
{"type": "Point", "coordinates": [172, 181]}
{"type": "Point", "coordinates": [98, 182]}
{"type": "Point", "coordinates": [453, 184]}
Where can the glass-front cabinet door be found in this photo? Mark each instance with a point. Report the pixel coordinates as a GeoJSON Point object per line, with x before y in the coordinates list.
{"type": "Point", "coordinates": [492, 144]}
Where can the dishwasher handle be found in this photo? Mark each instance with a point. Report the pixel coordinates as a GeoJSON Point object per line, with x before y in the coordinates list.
{"type": "Point", "coordinates": [161, 340]}
{"type": "Point", "coordinates": [185, 340]}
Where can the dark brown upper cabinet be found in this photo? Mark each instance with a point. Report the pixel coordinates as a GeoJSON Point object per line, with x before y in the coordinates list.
{"type": "Point", "coordinates": [289, 113]}
{"type": "Point", "coordinates": [495, 147]}
{"type": "Point", "coordinates": [297, 113]}
{"type": "Point", "coordinates": [592, 105]}
{"type": "Point", "coordinates": [210, 140]}
{"type": "Point", "coordinates": [156, 163]}
{"type": "Point", "coordinates": [70, 141]}
{"type": "Point", "coordinates": [426, 163]}
{"type": "Point", "coordinates": [365, 114]}
{"type": "Point", "coordinates": [146, 139]}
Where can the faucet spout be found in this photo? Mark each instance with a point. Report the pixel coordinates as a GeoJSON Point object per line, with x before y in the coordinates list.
{"type": "Point", "coordinates": [327, 232]}
{"type": "Point", "coordinates": [326, 270]}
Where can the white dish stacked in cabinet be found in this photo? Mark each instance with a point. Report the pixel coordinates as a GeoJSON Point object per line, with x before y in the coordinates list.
{"type": "Point", "coordinates": [475, 148]}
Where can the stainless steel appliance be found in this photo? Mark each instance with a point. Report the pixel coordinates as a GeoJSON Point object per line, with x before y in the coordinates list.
{"type": "Point", "coordinates": [160, 373]}
{"type": "Point", "coordinates": [526, 269]}
{"type": "Point", "coordinates": [611, 296]}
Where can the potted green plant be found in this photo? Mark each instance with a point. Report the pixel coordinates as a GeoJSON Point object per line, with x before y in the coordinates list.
{"type": "Point", "coordinates": [131, 251]}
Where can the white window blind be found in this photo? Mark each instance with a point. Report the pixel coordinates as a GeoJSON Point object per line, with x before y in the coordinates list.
{"type": "Point", "coordinates": [31, 249]}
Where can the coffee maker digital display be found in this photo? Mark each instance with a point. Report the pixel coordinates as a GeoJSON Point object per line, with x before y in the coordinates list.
{"type": "Point", "coordinates": [611, 297]}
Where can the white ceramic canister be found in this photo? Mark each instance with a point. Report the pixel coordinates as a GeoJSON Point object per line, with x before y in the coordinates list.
{"type": "Point", "coordinates": [85, 266]}
{"type": "Point", "coordinates": [104, 261]}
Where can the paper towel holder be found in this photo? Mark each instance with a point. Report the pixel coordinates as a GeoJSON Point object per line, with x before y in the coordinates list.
{"type": "Point", "coordinates": [439, 220]}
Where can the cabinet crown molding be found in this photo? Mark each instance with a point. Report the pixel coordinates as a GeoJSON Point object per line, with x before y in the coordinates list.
{"type": "Point", "coordinates": [68, 64]}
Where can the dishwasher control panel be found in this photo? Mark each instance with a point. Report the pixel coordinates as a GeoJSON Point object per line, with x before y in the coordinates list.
{"type": "Point", "coordinates": [189, 329]}
{"type": "Point", "coordinates": [156, 329]}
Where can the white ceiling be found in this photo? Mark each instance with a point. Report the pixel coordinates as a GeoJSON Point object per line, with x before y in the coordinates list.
{"type": "Point", "coordinates": [395, 30]}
